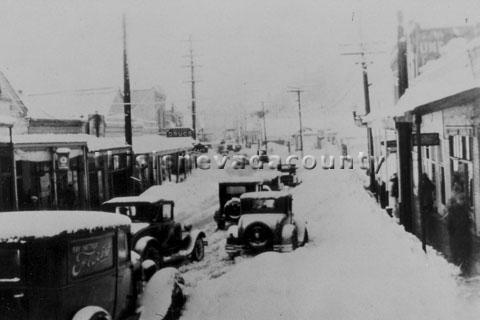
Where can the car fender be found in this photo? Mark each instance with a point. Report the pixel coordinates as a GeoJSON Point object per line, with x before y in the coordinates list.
{"type": "Point", "coordinates": [194, 236]}
{"type": "Point", "coordinates": [301, 228]}
{"type": "Point", "coordinates": [288, 232]}
{"type": "Point", "coordinates": [89, 312]}
{"type": "Point", "coordinates": [142, 243]}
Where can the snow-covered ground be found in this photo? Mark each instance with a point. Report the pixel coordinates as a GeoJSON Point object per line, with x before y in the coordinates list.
{"type": "Point", "coordinates": [360, 263]}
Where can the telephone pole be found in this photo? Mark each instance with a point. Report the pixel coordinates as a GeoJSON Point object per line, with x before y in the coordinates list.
{"type": "Point", "coordinates": [126, 88]}
{"type": "Point", "coordinates": [192, 81]}
{"type": "Point", "coordinates": [298, 92]}
{"type": "Point", "coordinates": [362, 52]}
{"type": "Point", "coordinates": [264, 126]}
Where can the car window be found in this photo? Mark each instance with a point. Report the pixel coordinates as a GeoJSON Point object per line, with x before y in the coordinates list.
{"type": "Point", "coordinates": [166, 211]}
{"type": "Point", "coordinates": [89, 256]}
{"type": "Point", "coordinates": [233, 190]}
{"type": "Point", "coordinates": [263, 204]}
{"type": "Point", "coordinates": [9, 265]}
{"type": "Point", "coordinates": [122, 246]}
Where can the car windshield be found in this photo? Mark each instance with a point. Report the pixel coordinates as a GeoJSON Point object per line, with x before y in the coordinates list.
{"type": "Point", "coordinates": [9, 265]}
{"type": "Point", "coordinates": [142, 213]}
{"type": "Point", "coordinates": [262, 205]}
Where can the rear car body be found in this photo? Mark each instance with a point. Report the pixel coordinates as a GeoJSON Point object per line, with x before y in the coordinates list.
{"type": "Point", "coordinates": [266, 223]}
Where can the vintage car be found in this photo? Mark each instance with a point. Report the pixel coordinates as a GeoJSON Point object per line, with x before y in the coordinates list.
{"type": "Point", "coordinates": [229, 192]}
{"type": "Point", "coordinates": [266, 223]}
{"type": "Point", "coordinates": [288, 174]}
{"type": "Point", "coordinates": [155, 233]}
{"type": "Point", "coordinates": [200, 147]}
{"type": "Point", "coordinates": [72, 265]}
{"type": "Point", "coordinates": [271, 179]}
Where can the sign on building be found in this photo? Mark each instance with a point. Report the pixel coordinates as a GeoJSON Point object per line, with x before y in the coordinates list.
{"type": "Point", "coordinates": [427, 139]}
{"type": "Point", "coordinates": [179, 132]}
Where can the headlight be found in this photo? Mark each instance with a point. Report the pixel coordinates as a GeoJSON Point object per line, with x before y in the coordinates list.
{"type": "Point", "coordinates": [232, 231]}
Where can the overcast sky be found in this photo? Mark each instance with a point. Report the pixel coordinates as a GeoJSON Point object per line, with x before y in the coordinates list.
{"type": "Point", "coordinates": [248, 50]}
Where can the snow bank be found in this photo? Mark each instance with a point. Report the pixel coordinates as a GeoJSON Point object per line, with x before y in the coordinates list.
{"type": "Point", "coordinates": [23, 224]}
{"type": "Point", "coordinates": [359, 265]}
{"type": "Point", "coordinates": [160, 292]}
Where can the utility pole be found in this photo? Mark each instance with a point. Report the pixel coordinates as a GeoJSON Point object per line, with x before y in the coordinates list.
{"type": "Point", "coordinates": [192, 81]}
{"type": "Point", "coordinates": [264, 126]}
{"type": "Point", "coordinates": [362, 52]}
{"type": "Point", "coordinates": [298, 92]}
{"type": "Point", "coordinates": [126, 88]}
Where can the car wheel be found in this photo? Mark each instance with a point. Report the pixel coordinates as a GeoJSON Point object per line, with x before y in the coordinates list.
{"type": "Point", "coordinates": [199, 250]}
{"type": "Point", "coordinates": [258, 236]}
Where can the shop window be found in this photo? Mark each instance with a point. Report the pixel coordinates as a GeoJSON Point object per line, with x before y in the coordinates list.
{"type": "Point", "coordinates": [451, 146]}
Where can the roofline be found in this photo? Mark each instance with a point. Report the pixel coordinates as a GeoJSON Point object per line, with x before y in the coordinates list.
{"type": "Point", "coordinates": [456, 99]}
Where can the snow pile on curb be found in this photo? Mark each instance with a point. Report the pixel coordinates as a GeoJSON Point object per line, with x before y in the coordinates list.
{"type": "Point", "coordinates": [361, 265]}
{"type": "Point", "coordinates": [157, 297]}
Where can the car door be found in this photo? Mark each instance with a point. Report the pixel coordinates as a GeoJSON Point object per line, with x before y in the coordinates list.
{"type": "Point", "coordinates": [125, 288]}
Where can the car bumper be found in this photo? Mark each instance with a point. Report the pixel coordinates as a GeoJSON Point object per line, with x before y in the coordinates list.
{"type": "Point", "coordinates": [234, 248]}
{"type": "Point", "coordinates": [283, 247]}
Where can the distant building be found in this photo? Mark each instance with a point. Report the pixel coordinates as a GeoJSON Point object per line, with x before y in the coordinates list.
{"type": "Point", "coordinates": [97, 112]}
{"type": "Point", "coordinates": [11, 105]}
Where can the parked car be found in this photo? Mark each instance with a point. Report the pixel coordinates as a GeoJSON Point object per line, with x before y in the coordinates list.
{"type": "Point", "coordinates": [229, 192]}
{"type": "Point", "coordinates": [155, 233]}
{"type": "Point", "coordinates": [199, 147]}
{"type": "Point", "coordinates": [266, 223]}
{"type": "Point", "coordinates": [70, 265]}
{"type": "Point", "coordinates": [288, 174]}
{"type": "Point", "coordinates": [271, 179]}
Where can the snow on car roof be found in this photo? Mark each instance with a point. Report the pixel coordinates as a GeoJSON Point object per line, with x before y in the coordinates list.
{"type": "Point", "coordinates": [258, 176]}
{"type": "Point", "coordinates": [264, 194]}
{"type": "Point", "coordinates": [17, 225]}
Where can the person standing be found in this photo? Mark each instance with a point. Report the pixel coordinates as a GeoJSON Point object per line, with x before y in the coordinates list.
{"type": "Point", "coordinates": [459, 226]}
{"type": "Point", "coordinates": [428, 189]}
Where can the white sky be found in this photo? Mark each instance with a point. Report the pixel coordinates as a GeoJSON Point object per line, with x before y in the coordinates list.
{"type": "Point", "coordinates": [249, 50]}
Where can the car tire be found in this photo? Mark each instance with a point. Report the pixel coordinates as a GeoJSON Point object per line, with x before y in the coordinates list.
{"type": "Point", "coordinates": [198, 252]}
{"type": "Point", "coordinates": [258, 236]}
{"type": "Point", "coordinates": [153, 254]}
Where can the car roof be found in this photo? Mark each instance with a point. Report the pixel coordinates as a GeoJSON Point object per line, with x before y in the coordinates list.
{"type": "Point", "coordinates": [18, 225]}
{"type": "Point", "coordinates": [258, 176]}
{"type": "Point", "coordinates": [265, 195]}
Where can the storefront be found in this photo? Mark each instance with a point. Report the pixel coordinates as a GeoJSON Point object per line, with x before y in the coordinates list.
{"type": "Point", "coordinates": [109, 169]}
{"type": "Point", "coordinates": [50, 172]}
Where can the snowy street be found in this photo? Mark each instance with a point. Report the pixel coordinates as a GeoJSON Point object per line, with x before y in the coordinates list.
{"type": "Point", "coordinates": [359, 264]}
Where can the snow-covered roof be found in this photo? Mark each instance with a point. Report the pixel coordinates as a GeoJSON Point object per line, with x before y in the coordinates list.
{"type": "Point", "coordinates": [7, 92]}
{"type": "Point", "coordinates": [264, 194]}
{"type": "Point", "coordinates": [241, 179]}
{"type": "Point", "coordinates": [446, 77]}
{"type": "Point", "coordinates": [160, 144]}
{"type": "Point", "coordinates": [92, 142]}
{"type": "Point", "coordinates": [7, 121]}
{"type": "Point", "coordinates": [150, 197]}
{"type": "Point", "coordinates": [18, 225]}
{"type": "Point", "coordinates": [71, 104]}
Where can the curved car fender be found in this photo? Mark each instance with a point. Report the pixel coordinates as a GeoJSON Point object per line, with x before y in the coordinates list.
{"type": "Point", "coordinates": [87, 313]}
{"type": "Point", "coordinates": [288, 232]}
{"type": "Point", "coordinates": [301, 227]}
{"type": "Point", "coordinates": [194, 235]}
{"type": "Point", "coordinates": [142, 243]}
